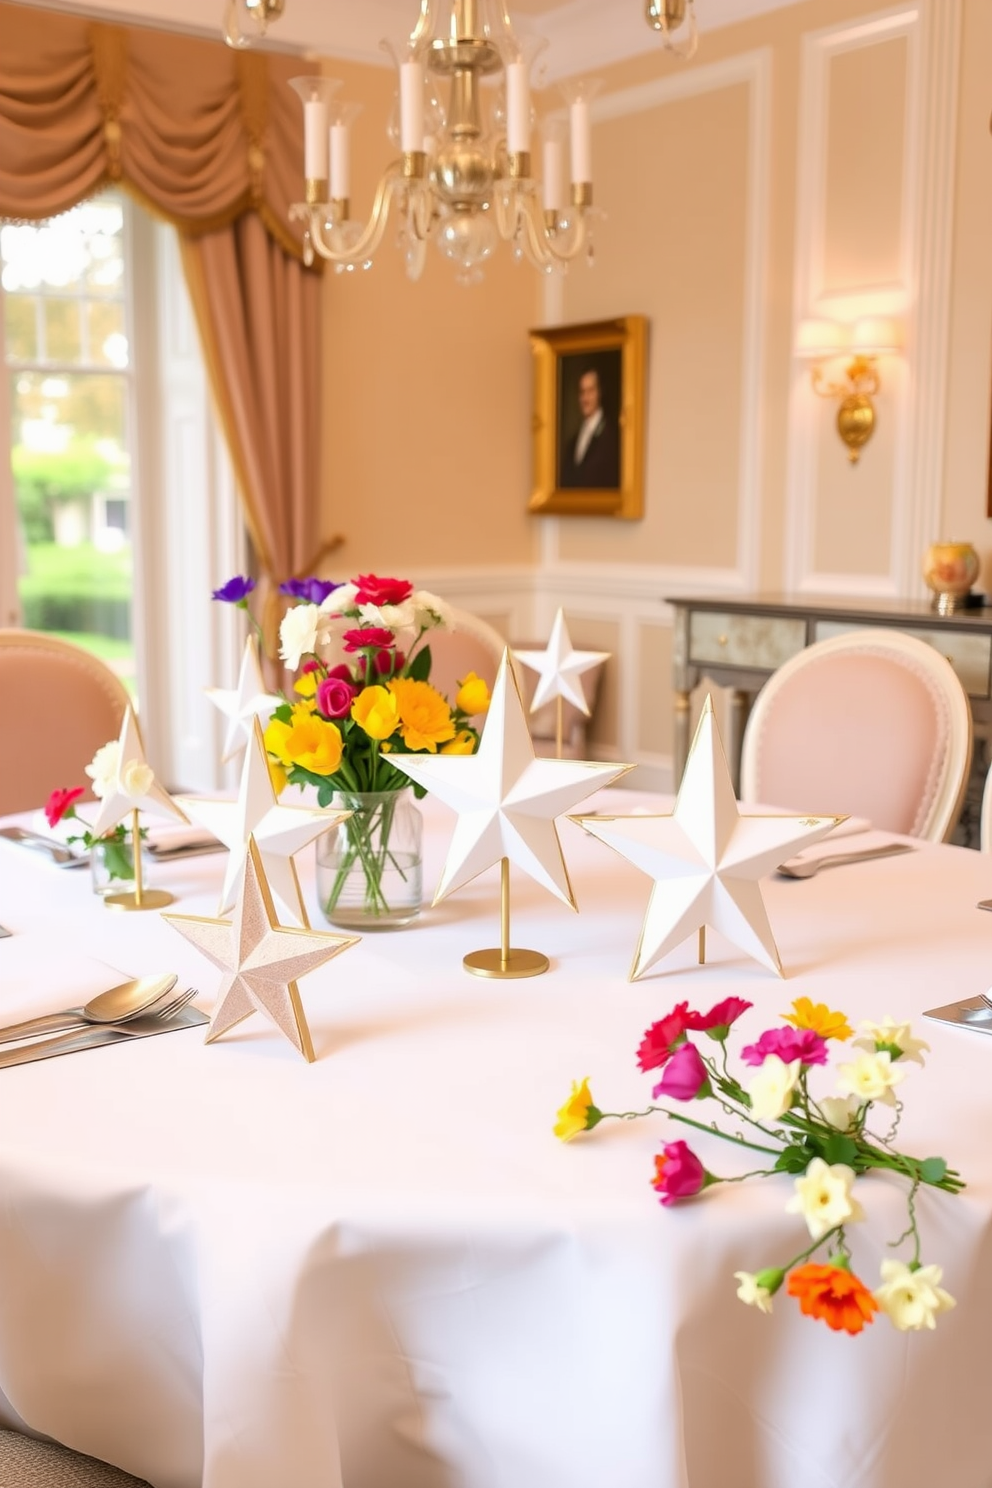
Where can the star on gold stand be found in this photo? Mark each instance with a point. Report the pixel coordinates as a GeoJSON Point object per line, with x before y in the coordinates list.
{"type": "Point", "coordinates": [706, 858]}
{"type": "Point", "coordinates": [560, 668]}
{"type": "Point", "coordinates": [260, 958]}
{"type": "Point", "coordinates": [118, 803]}
{"type": "Point", "coordinates": [244, 703]}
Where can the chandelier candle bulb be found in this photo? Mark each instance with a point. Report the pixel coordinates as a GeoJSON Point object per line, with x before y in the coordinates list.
{"type": "Point", "coordinates": [340, 162]}
{"type": "Point", "coordinates": [581, 141]}
{"type": "Point", "coordinates": [554, 176]}
{"type": "Point", "coordinates": [315, 139]}
{"type": "Point", "coordinates": [411, 107]}
{"type": "Point", "coordinates": [517, 108]}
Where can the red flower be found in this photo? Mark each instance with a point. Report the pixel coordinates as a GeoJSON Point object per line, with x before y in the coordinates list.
{"type": "Point", "coordinates": [789, 1044]}
{"type": "Point", "coordinates": [834, 1294]}
{"type": "Point", "coordinates": [335, 697]}
{"type": "Point", "coordinates": [719, 1018]}
{"type": "Point", "coordinates": [375, 591]}
{"type": "Point", "coordinates": [311, 665]}
{"type": "Point", "coordinates": [678, 1173]}
{"type": "Point", "coordinates": [371, 635]}
{"type": "Point", "coordinates": [685, 1076]}
{"type": "Point", "coordinates": [59, 803]}
{"type": "Point", "coordinates": [662, 1038]}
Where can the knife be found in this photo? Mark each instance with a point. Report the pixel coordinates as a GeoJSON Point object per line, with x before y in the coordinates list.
{"type": "Point", "coordinates": [63, 856]}
{"type": "Point", "coordinates": [100, 1034]}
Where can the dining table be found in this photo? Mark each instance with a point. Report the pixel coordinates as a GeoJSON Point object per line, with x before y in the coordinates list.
{"type": "Point", "coordinates": [224, 1267]}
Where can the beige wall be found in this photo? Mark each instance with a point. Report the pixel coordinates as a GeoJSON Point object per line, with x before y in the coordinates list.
{"type": "Point", "coordinates": [786, 171]}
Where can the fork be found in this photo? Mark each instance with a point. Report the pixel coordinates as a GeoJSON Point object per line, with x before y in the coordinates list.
{"type": "Point", "coordinates": [172, 1003]}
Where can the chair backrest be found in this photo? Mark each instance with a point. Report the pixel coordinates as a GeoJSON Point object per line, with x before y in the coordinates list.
{"type": "Point", "coordinates": [58, 704]}
{"type": "Point", "coordinates": [985, 827]}
{"type": "Point", "coordinates": [471, 645]}
{"type": "Point", "coordinates": [874, 723]}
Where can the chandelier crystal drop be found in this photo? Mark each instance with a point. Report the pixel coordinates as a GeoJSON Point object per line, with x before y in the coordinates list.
{"type": "Point", "coordinates": [675, 20]}
{"type": "Point", "coordinates": [464, 176]}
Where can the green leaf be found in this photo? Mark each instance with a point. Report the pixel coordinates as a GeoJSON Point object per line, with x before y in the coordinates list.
{"type": "Point", "coordinates": [284, 713]}
{"type": "Point", "coordinates": [839, 1149]}
{"type": "Point", "coordinates": [933, 1169]}
{"type": "Point", "coordinates": [419, 667]}
{"type": "Point", "coordinates": [792, 1160]}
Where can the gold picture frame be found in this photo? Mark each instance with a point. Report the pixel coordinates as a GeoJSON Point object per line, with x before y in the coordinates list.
{"type": "Point", "coordinates": [584, 465]}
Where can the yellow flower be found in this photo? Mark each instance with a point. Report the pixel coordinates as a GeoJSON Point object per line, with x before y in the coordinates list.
{"type": "Point", "coordinates": [472, 695]}
{"type": "Point", "coordinates": [312, 743]}
{"type": "Point", "coordinates": [819, 1018]}
{"type": "Point", "coordinates": [375, 710]}
{"type": "Point", "coordinates": [275, 740]}
{"type": "Point", "coordinates": [578, 1114]}
{"type": "Point", "coordinates": [425, 718]}
{"type": "Point", "coordinates": [306, 685]}
{"type": "Point", "coordinates": [278, 776]}
{"type": "Point", "coordinates": [462, 743]}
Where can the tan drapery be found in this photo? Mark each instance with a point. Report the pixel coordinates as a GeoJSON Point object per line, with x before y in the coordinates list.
{"type": "Point", "coordinates": [211, 140]}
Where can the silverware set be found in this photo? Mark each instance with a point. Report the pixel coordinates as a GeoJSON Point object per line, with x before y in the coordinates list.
{"type": "Point", "coordinates": [135, 1009]}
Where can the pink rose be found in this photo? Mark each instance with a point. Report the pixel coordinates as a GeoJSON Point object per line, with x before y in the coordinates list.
{"type": "Point", "coordinates": [678, 1173]}
{"type": "Point", "coordinates": [685, 1076]}
{"type": "Point", "coordinates": [335, 696]}
{"type": "Point", "coordinates": [789, 1044]}
{"type": "Point", "coordinates": [375, 591]}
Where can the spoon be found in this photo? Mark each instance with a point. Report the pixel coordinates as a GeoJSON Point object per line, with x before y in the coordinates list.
{"type": "Point", "coordinates": [116, 1005]}
{"type": "Point", "coordinates": [798, 869]}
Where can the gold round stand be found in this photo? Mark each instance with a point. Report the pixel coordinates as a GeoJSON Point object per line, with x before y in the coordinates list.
{"type": "Point", "coordinates": [150, 899]}
{"type": "Point", "coordinates": [513, 965]}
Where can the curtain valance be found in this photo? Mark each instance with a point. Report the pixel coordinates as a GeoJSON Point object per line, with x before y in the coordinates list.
{"type": "Point", "coordinates": [199, 133]}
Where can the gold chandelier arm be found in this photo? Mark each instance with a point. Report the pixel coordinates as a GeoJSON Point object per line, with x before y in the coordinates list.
{"type": "Point", "coordinates": [861, 374]}
{"type": "Point", "coordinates": [544, 247]}
{"type": "Point", "coordinates": [321, 232]}
{"type": "Point", "coordinates": [824, 388]}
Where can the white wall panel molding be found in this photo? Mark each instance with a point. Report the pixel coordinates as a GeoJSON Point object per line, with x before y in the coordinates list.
{"type": "Point", "coordinates": [932, 29]}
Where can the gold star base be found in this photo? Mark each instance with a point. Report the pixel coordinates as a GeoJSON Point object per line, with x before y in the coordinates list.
{"type": "Point", "coordinates": [511, 966]}
{"type": "Point", "coordinates": [150, 899]}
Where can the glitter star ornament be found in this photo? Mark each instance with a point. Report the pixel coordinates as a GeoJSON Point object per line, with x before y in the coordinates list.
{"type": "Point", "coordinates": [118, 801]}
{"type": "Point", "coordinates": [279, 831]}
{"type": "Point", "coordinates": [506, 799]}
{"type": "Point", "coordinates": [261, 959]}
{"type": "Point", "coordinates": [244, 703]}
{"type": "Point", "coordinates": [560, 668]}
{"type": "Point", "coordinates": [706, 858]}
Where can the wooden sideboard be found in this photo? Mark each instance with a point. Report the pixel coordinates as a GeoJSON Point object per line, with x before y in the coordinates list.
{"type": "Point", "coordinates": [738, 643]}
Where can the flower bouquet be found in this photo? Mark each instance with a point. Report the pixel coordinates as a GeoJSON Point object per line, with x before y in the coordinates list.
{"type": "Point", "coordinates": [825, 1141]}
{"type": "Point", "coordinates": [111, 853]}
{"type": "Point", "coordinates": [363, 694]}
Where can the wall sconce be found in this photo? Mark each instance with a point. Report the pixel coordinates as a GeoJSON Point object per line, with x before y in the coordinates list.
{"type": "Point", "coordinates": [670, 17]}
{"type": "Point", "coordinates": [824, 340]}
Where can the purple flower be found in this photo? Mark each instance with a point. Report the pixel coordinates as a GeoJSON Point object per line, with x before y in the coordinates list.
{"type": "Point", "coordinates": [314, 591]}
{"type": "Point", "coordinates": [235, 591]}
{"type": "Point", "coordinates": [789, 1044]}
{"type": "Point", "coordinates": [685, 1076]}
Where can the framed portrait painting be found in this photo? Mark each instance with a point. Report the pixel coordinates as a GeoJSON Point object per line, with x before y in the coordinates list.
{"type": "Point", "coordinates": [588, 422]}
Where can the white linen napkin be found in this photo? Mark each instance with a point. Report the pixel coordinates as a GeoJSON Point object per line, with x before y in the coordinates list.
{"type": "Point", "coordinates": [164, 836]}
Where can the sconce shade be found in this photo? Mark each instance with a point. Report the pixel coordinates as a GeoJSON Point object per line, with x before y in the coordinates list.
{"type": "Point", "coordinates": [874, 335]}
{"type": "Point", "coordinates": [822, 338]}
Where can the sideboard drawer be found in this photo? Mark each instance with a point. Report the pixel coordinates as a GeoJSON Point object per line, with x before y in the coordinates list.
{"type": "Point", "coordinates": [969, 655]}
{"type": "Point", "coordinates": [762, 642]}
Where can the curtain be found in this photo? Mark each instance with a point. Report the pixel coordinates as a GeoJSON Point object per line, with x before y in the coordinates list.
{"type": "Point", "coordinates": [211, 140]}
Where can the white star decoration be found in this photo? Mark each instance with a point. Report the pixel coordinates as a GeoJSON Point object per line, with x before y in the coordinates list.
{"type": "Point", "coordinates": [260, 958]}
{"type": "Point", "coordinates": [245, 703]}
{"type": "Point", "coordinates": [279, 831]}
{"type": "Point", "coordinates": [560, 667]}
{"type": "Point", "coordinates": [706, 857]}
{"type": "Point", "coordinates": [506, 799]}
{"type": "Point", "coordinates": [117, 803]}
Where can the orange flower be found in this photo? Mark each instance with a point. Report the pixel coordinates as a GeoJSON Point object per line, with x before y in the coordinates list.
{"type": "Point", "coordinates": [833, 1294]}
{"type": "Point", "coordinates": [819, 1018]}
{"type": "Point", "coordinates": [425, 718]}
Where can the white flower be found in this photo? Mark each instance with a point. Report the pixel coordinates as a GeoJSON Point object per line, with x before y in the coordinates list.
{"type": "Point", "coordinates": [136, 779]}
{"type": "Point", "coordinates": [340, 599]}
{"type": "Point", "coordinates": [898, 1035]}
{"type": "Point", "coordinates": [752, 1292]}
{"type": "Point", "coordinates": [912, 1299]}
{"type": "Point", "coordinates": [302, 628]}
{"type": "Point", "coordinates": [823, 1197]}
{"type": "Point", "coordinates": [393, 617]}
{"type": "Point", "coordinates": [871, 1077]}
{"type": "Point", "coordinates": [430, 610]}
{"type": "Point", "coordinates": [839, 1111]}
{"type": "Point", "coordinates": [102, 769]}
{"type": "Point", "coordinates": [772, 1087]}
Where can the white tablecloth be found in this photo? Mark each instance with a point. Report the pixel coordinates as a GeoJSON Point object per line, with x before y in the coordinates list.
{"type": "Point", "coordinates": [222, 1266]}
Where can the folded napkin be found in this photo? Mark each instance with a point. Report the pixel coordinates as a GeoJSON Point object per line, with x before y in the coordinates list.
{"type": "Point", "coordinates": [164, 835]}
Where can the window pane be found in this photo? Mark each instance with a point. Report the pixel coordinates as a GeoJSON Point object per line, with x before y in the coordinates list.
{"type": "Point", "coordinates": [20, 316]}
{"type": "Point", "coordinates": [107, 334]}
{"type": "Point", "coordinates": [62, 341]}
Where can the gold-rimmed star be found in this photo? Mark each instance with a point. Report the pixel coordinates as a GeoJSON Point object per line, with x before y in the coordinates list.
{"type": "Point", "coordinates": [560, 667]}
{"type": "Point", "coordinates": [119, 801]}
{"type": "Point", "coordinates": [244, 703]}
{"type": "Point", "coordinates": [260, 958]}
{"type": "Point", "coordinates": [706, 858]}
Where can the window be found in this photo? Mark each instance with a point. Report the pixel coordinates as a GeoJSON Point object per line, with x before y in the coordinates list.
{"type": "Point", "coordinates": [67, 351]}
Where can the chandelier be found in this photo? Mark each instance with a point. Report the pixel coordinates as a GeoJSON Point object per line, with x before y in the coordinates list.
{"type": "Point", "coordinates": [674, 19]}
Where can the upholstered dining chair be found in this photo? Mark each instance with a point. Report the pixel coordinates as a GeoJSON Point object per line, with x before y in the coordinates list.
{"type": "Point", "coordinates": [985, 825]}
{"type": "Point", "coordinates": [873, 723]}
{"type": "Point", "coordinates": [27, 1463]}
{"type": "Point", "coordinates": [58, 704]}
{"type": "Point", "coordinates": [471, 645]}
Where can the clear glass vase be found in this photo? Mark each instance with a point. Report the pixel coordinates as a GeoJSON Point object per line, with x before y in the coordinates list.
{"type": "Point", "coordinates": [369, 868]}
{"type": "Point", "coordinates": [112, 865]}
